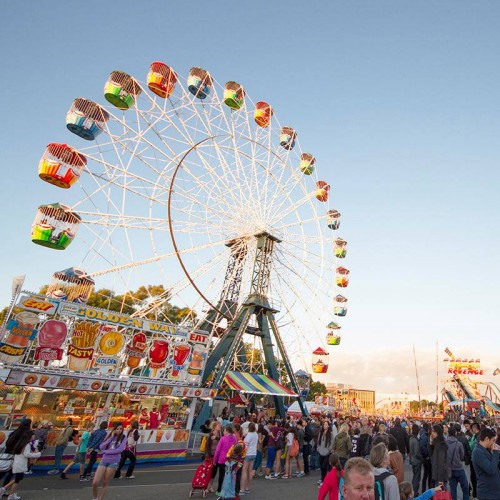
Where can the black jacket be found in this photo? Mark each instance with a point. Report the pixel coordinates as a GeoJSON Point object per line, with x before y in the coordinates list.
{"type": "Point", "coordinates": [465, 443]}
{"type": "Point", "coordinates": [402, 438]}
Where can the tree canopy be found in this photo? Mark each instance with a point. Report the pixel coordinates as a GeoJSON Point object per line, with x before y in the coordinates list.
{"type": "Point", "coordinates": [316, 389]}
{"type": "Point", "coordinates": [153, 299]}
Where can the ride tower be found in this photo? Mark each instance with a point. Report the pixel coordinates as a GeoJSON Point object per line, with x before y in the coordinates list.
{"type": "Point", "coordinates": [230, 350]}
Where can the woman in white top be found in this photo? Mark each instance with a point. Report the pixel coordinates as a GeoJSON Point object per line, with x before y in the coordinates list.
{"type": "Point", "coordinates": [290, 436]}
{"type": "Point", "coordinates": [251, 441]}
{"type": "Point", "coordinates": [23, 450]}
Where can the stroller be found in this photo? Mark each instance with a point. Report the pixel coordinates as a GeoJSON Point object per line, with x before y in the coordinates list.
{"type": "Point", "coordinates": [228, 485]}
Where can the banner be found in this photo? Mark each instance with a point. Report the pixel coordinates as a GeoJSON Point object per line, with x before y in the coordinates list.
{"type": "Point", "coordinates": [52, 334]}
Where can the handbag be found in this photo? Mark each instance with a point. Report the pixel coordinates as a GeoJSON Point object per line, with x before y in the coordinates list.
{"type": "Point", "coordinates": [203, 444]}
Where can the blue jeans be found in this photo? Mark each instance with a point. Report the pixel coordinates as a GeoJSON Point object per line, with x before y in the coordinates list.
{"type": "Point", "coordinates": [58, 455]}
{"type": "Point", "coordinates": [459, 477]}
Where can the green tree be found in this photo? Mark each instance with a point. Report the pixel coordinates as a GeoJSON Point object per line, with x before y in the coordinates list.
{"type": "Point", "coordinates": [145, 298]}
{"type": "Point", "coordinates": [414, 407]}
{"type": "Point", "coordinates": [3, 313]}
{"type": "Point", "coordinates": [316, 389]}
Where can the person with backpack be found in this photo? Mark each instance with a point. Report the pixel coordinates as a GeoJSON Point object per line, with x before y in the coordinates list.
{"type": "Point", "coordinates": [325, 444]}
{"type": "Point", "coordinates": [416, 459]}
{"type": "Point", "coordinates": [454, 458]}
{"type": "Point", "coordinates": [342, 445]}
{"type": "Point", "coordinates": [129, 452]}
{"type": "Point", "coordinates": [386, 484]}
{"type": "Point", "coordinates": [332, 485]}
{"type": "Point", "coordinates": [61, 444]}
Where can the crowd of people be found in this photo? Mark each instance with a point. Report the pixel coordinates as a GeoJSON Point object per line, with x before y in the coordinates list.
{"type": "Point", "coordinates": [25, 445]}
{"type": "Point", "coordinates": [357, 458]}
{"type": "Point", "coordinates": [442, 455]}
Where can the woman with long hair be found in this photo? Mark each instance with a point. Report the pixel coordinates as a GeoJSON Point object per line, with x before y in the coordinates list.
{"type": "Point", "coordinates": [111, 448]}
{"type": "Point", "coordinates": [130, 452]}
{"type": "Point", "coordinates": [212, 441]}
{"type": "Point", "coordinates": [23, 450]}
{"type": "Point", "coordinates": [342, 444]}
{"type": "Point", "coordinates": [331, 484]}
{"type": "Point", "coordinates": [324, 444]}
{"type": "Point", "coordinates": [439, 450]}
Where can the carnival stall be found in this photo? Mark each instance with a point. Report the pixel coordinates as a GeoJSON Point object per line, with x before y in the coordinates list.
{"type": "Point", "coordinates": [63, 359]}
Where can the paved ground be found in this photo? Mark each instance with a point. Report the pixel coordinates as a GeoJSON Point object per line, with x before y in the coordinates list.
{"type": "Point", "coordinates": [171, 482]}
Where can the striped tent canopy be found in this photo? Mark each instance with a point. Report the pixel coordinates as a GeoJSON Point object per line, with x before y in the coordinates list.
{"type": "Point", "coordinates": [254, 383]}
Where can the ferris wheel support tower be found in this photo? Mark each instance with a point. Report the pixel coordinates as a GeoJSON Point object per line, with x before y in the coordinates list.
{"type": "Point", "coordinates": [231, 343]}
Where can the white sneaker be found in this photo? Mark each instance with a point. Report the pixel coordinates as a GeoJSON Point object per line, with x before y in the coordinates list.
{"type": "Point", "coordinates": [129, 477]}
{"type": "Point", "coordinates": [14, 496]}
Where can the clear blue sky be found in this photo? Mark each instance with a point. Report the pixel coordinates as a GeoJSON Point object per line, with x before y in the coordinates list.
{"type": "Point", "coordinates": [400, 101]}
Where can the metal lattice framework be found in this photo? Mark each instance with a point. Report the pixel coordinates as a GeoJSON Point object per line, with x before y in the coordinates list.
{"type": "Point", "coordinates": [193, 182]}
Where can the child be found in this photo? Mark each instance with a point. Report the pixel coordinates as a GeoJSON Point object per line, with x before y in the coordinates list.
{"type": "Point", "coordinates": [81, 452]}
{"type": "Point", "coordinates": [233, 466]}
{"type": "Point", "coordinates": [406, 491]}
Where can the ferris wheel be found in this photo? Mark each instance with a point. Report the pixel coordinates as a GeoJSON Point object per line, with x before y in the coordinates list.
{"type": "Point", "coordinates": [176, 181]}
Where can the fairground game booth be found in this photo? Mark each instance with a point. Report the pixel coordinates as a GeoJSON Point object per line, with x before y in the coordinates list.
{"type": "Point", "coordinates": [61, 359]}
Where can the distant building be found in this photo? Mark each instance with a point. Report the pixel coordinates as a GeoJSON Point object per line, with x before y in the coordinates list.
{"type": "Point", "coordinates": [351, 400]}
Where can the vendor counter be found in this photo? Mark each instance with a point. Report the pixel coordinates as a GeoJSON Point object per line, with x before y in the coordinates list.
{"type": "Point", "coordinates": [158, 445]}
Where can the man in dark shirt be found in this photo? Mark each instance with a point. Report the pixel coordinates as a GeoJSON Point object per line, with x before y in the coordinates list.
{"type": "Point", "coordinates": [95, 440]}
{"type": "Point", "coordinates": [401, 436]}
